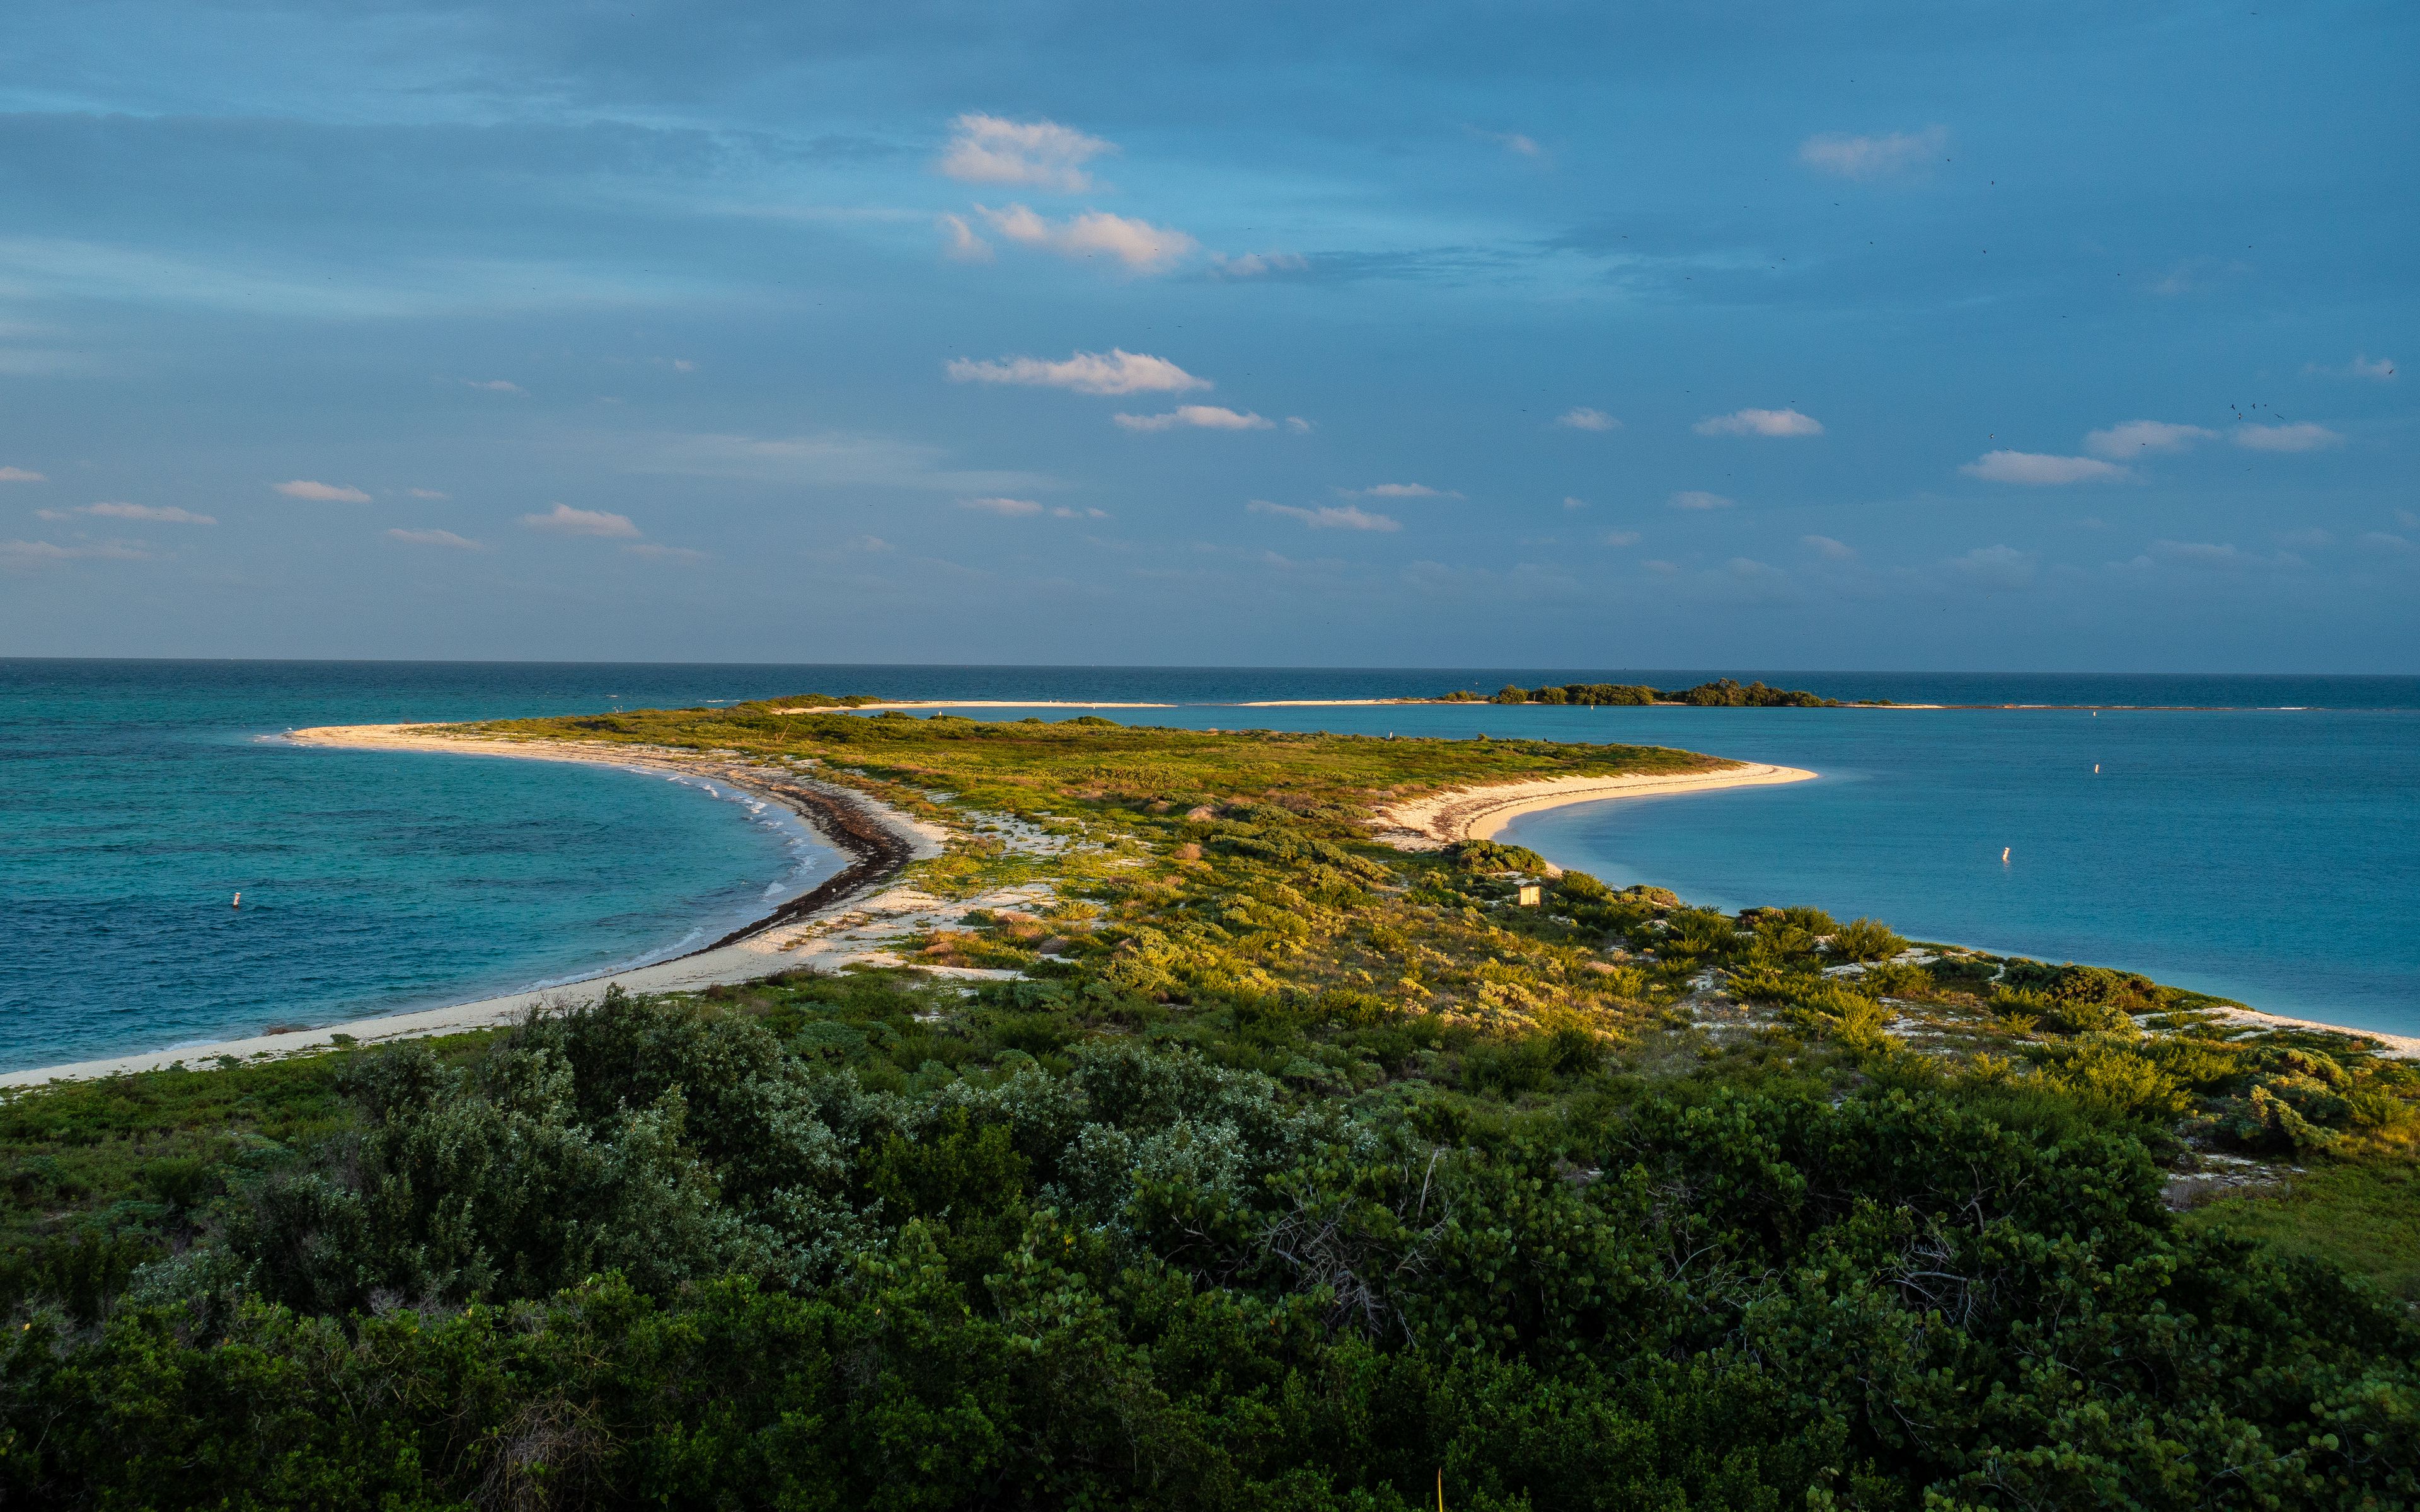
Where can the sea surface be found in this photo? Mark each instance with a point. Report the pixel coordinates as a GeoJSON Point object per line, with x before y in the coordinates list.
{"type": "Point", "coordinates": [2254, 837]}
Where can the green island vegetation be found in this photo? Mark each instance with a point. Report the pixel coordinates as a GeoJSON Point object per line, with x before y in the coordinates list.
{"type": "Point", "coordinates": [1722, 693]}
{"type": "Point", "coordinates": [1286, 1171]}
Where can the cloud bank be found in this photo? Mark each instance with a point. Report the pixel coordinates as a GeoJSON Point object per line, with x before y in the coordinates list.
{"type": "Point", "coordinates": [2038, 470]}
{"type": "Point", "coordinates": [1138, 245]}
{"type": "Point", "coordinates": [1115, 371]}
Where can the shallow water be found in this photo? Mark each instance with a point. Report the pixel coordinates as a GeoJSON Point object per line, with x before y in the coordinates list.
{"type": "Point", "coordinates": [2273, 858]}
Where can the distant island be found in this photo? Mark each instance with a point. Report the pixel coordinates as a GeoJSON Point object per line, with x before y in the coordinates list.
{"type": "Point", "coordinates": [1722, 693]}
{"type": "Point", "coordinates": [1165, 1119]}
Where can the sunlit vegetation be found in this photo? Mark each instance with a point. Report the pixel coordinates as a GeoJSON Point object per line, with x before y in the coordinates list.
{"type": "Point", "coordinates": [1722, 693]}
{"type": "Point", "coordinates": [1288, 1171]}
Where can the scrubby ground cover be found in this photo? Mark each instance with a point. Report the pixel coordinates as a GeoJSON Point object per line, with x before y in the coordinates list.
{"type": "Point", "coordinates": [1288, 1172]}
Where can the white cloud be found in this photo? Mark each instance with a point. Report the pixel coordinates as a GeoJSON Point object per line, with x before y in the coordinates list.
{"type": "Point", "coordinates": [446, 538]}
{"type": "Point", "coordinates": [988, 149]}
{"type": "Point", "coordinates": [1199, 416]}
{"type": "Point", "coordinates": [1143, 247]}
{"type": "Point", "coordinates": [153, 513]}
{"type": "Point", "coordinates": [21, 475]}
{"type": "Point", "coordinates": [1620, 538]}
{"type": "Point", "coordinates": [960, 241]}
{"type": "Point", "coordinates": [1661, 567]}
{"type": "Point", "coordinates": [1998, 567]}
{"type": "Point", "coordinates": [2380, 540]}
{"type": "Point", "coordinates": [1759, 422]}
{"type": "Point", "coordinates": [494, 385]}
{"type": "Point", "coordinates": [428, 493]}
{"type": "Point", "coordinates": [1583, 418]}
{"type": "Point", "coordinates": [1828, 548]}
{"type": "Point", "coordinates": [326, 493]}
{"type": "Point", "coordinates": [1873, 157]}
{"type": "Point", "coordinates": [832, 460]}
{"type": "Point", "coordinates": [2207, 554]}
{"type": "Point", "coordinates": [1298, 426]}
{"type": "Point", "coordinates": [2409, 520]}
{"type": "Point", "coordinates": [1346, 518]}
{"type": "Point", "coordinates": [1257, 264]}
{"type": "Point", "coordinates": [2034, 467]}
{"type": "Point", "coordinates": [1698, 498]}
{"type": "Point", "coordinates": [2376, 369]}
{"type": "Point", "coordinates": [41, 553]}
{"type": "Point", "coordinates": [2307, 539]}
{"type": "Point", "coordinates": [1002, 505]}
{"type": "Point", "coordinates": [1574, 502]}
{"type": "Point", "coordinates": [564, 520]}
{"type": "Point", "coordinates": [682, 365]}
{"type": "Point", "coordinates": [1510, 140]}
{"type": "Point", "coordinates": [1399, 490]}
{"type": "Point", "coordinates": [665, 553]}
{"type": "Point", "coordinates": [2197, 276]}
{"type": "Point", "coordinates": [2135, 437]}
{"type": "Point", "coordinates": [2300, 437]}
{"type": "Point", "coordinates": [1066, 511]}
{"type": "Point", "coordinates": [1116, 371]}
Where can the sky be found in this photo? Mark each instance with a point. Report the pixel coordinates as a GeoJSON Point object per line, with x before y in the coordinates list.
{"type": "Point", "coordinates": [2016, 337]}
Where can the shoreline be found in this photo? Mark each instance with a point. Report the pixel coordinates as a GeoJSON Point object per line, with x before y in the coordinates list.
{"type": "Point", "coordinates": [1471, 814]}
{"type": "Point", "coordinates": [878, 841]}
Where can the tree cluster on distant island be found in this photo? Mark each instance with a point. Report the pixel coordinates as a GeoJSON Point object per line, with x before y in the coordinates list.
{"type": "Point", "coordinates": [1723, 692]}
{"type": "Point", "coordinates": [1289, 1171]}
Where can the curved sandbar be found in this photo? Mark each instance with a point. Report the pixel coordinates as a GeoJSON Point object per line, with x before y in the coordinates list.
{"type": "Point", "coordinates": [813, 929]}
{"type": "Point", "coordinates": [1457, 814]}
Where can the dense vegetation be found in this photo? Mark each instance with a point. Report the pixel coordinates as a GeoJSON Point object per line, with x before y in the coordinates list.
{"type": "Point", "coordinates": [1288, 1172]}
{"type": "Point", "coordinates": [1722, 693]}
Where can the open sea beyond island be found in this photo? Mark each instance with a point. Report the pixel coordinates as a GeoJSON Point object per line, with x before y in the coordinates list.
{"type": "Point", "coordinates": [2253, 837]}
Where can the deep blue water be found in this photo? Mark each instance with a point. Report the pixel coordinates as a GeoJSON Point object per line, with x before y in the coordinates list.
{"type": "Point", "coordinates": [2270, 857]}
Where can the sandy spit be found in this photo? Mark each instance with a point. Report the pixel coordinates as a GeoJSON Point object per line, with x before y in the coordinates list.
{"type": "Point", "coordinates": [851, 927]}
{"type": "Point", "coordinates": [1442, 818]}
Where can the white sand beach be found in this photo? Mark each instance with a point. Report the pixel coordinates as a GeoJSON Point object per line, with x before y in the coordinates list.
{"type": "Point", "coordinates": [1442, 818]}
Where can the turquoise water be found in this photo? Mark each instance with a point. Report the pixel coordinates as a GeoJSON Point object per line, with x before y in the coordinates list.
{"type": "Point", "coordinates": [2270, 857]}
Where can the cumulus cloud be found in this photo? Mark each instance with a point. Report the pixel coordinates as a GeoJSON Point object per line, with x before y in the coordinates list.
{"type": "Point", "coordinates": [42, 553]}
{"type": "Point", "coordinates": [153, 513]}
{"type": "Point", "coordinates": [21, 475]}
{"type": "Point", "coordinates": [1399, 490]}
{"type": "Point", "coordinates": [958, 239]}
{"type": "Point", "coordinates": [1873, 157]}
{"type": "Point", "coordinates": [2037, 468]}
{"type": "Point", "coordinates": [1828, 548]}
{"type": "Point", "coordinates": [564, 520]}
{"type": "Point", "coordinates": [665, 553]}
{"type": "Point", "coordinates": [1584, 418]}
{"type": "Point", "coordinates": [326, 493]}
{"type": "Point", "coordinates": [494, 385]}
{"type": "Point", "coordinates": [1197, 416]}
{"type": "Point", "coordinates": [2135, 436]}
{"type": "Point", "coordinates": [1998, 567]}
{"type": "Point", "coordinates": [1698, 498]}
{"type": "Point", "coordinates": [1115, 371]}
{"type": "Point", "coordinates": [1140, 246]}
{"type": "Point", "coordinates": [989, 149]}
{"type": "Point", "coordinates": [444, 538]}
{"type": "Point", "coordinates": [1513, 142]}
{"type": "Point", "coordinates": [2300, 437]}
{"type": "Point", "coordinates": [1620, 538]}
{"type": "Point", "coordinates": [1759, 422]}
{"type": "Point", "coordinates": [1002, 506]}
{"type": "Point", "coordinates": [1257, 264]}
{"type": "Point", "coordinates": [1329, 517]}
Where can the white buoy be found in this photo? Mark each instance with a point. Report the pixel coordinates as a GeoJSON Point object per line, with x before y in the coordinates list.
{"type": "Point", "coordinates": [2096, 768]}
{"type": "Point", "coordinates": [2004, 855]}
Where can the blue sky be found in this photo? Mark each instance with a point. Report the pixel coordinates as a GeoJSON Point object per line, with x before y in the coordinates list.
{"type": "Point", "coordinates": [2022, 337]}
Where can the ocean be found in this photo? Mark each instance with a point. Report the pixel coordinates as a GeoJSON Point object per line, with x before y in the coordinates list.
{"type": "Point", "coordinates": [2254, 837]}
